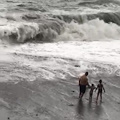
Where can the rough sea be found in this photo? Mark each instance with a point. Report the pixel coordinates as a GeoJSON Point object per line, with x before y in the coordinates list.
{"type": "Point", "coordinates": [45, 45]}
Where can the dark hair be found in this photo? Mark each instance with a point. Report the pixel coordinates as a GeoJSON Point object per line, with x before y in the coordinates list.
{"type": "Point", "coordinates": [86, 73]}
{"type": "Point", "coordinates": [100, 81]}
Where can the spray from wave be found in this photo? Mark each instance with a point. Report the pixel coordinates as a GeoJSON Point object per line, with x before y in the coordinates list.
{"type": "Point", "coordinates": [90, 31]}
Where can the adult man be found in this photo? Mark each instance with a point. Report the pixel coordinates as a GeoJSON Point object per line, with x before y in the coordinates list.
{"type": "Point", "coordinates": [83, 81]}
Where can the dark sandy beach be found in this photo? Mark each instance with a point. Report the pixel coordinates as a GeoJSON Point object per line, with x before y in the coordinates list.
{"type": "Point", "coordinates": [24, 95]}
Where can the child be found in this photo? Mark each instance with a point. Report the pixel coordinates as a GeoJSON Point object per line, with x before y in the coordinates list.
{"type": "Point", "coordinates": [100, 88]}
{"type": "Point", "coordinates": [92, 87]}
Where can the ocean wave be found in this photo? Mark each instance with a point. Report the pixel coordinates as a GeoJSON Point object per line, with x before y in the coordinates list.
{"type": "Point", "coordinates": [90, 31]}
{"type": "Point", "coordinates": [43, 30]}
{"type": "Point", "coordinates": [107, 17]}
{"type": "Point", "coordinates": [52, 29]}
{"type": "Point", "coordinates": [46, 27]}
{"type": "Point", "coordinates": [10, 1]}
{"type": "Point", "coordinates": [31, 16]}
{"type": "Point", "coordinates": [31, 7]}
{"type": "Point", "coordinates": [70, 18]}
{"type": "Point", "coordinates": [98, 2]}
{"type": "Point", "coordinates": [22, 17]}
{"type": "Point", "coordinates": [21, 5]}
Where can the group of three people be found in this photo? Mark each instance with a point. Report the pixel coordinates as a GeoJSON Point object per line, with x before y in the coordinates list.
{"type": "Point", "coordinates": [83, 82]}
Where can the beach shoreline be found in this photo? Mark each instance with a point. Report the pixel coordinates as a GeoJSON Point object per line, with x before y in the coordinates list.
{"type": "Point", "coordinates": [45, 99]}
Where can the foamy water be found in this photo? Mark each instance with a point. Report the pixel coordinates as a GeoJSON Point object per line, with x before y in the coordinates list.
{"type": "Point", "coordinates": [86, 31]}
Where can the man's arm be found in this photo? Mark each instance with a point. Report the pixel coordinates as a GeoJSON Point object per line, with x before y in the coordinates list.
{"type": "Point", "coordinates": [88, 84]}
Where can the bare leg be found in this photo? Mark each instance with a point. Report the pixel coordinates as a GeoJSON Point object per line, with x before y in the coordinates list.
{"type": "Point", "coordinates": [81, 95]}
{"type": "Point", "coordinates": [101, 97]}
{"type": "Point", "coordinates": [97, 97]}
{"type": "Point", "coordinates": [90, 96]}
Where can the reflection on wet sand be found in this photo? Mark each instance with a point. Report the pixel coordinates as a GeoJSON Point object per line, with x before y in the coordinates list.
{"type": "Point", "coordinates": [88, 110]}
{"type": "Point", "coordinates": [98, 110]}
{"type": "Point", "coordinates": [80, 107]}
{"type": "Point", "coordinates": [89, 106]}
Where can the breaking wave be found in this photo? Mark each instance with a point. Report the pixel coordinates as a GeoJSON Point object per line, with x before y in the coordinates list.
{"type": "Point", "coordinates": [106, 17]}
{"type": "Point", "coordinates": [41, 30]}
{"type": "Point", "coordinates": [27, 27]}
{"type": "Point", "coordinates": [99, 2]}
{"type": "Point", "coordinates": [50, 30]}
{"type": "Point", "coordinates": [91, 31]}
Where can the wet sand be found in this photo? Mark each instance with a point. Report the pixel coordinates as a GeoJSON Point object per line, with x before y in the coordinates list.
{"type": "Point", "coordinates": [25, 95]}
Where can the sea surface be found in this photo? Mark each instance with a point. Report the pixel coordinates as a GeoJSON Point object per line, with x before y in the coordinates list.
{"type": "Point", "coordinates": [55, 41]}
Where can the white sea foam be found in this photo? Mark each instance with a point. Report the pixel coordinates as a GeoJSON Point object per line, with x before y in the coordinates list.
{"type": "Point", "coordinates": [21, 30]}
{"type": "Point", "coordinates": [91, 30]}
{"type": "Point", "coordinates": [96, 56]}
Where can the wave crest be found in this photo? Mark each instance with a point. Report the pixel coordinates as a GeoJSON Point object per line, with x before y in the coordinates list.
{"type": "Point", "coordinates": [21, 32]}
{"type": "Point", "coordinates": [99, 2]}
{"type": "Point", "coordinates": [90, 31]}
{"type": "Point", "coordinates": [106, 17]}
